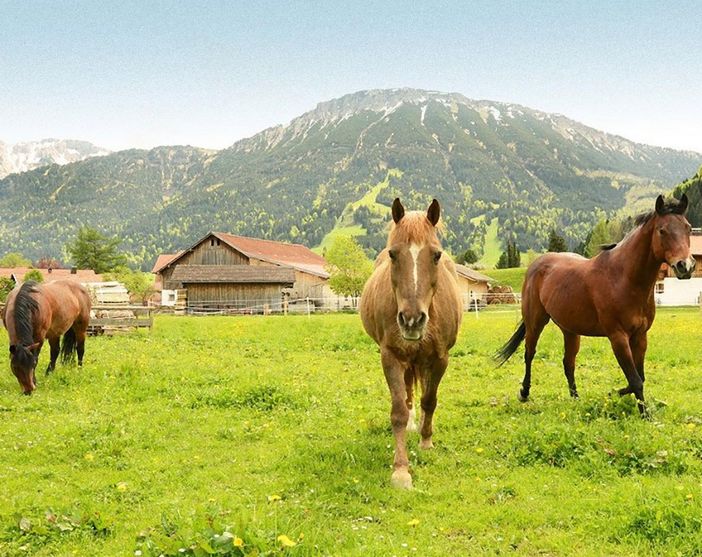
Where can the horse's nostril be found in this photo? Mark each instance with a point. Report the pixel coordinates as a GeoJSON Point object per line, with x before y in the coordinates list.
{"type": "Point", "coordinates": [401, 318]}
{"type": "Point", "coordinates": [422, 319]}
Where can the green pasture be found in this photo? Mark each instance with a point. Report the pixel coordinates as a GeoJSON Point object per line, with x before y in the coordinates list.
{"type": "Point", "coordinates": [513, 277]}
{"type": "Point", "coordinates": [271, 436]}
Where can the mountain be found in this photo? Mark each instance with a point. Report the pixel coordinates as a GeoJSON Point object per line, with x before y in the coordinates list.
{"type": "Point", "coordinates": [499, 170]}
{"type": "Point", "coordinates": [693, 188]}
{"type": "Point", "coordinates": [20, 157]}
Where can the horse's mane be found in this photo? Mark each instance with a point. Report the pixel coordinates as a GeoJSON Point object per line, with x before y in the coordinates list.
{"type": "Point", "coordinates": [24, 310]}
{"type": "Point", "coordinates": [414, 227]}
{"type": "Point", "coordinates": [671, 207]}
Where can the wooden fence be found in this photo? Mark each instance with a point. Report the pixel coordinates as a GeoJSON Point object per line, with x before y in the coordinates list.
{"type": "Point", "coordinates": [116, 317]}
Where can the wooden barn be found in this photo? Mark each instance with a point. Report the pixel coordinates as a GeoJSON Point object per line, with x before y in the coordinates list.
{"type": "Point", "coordinates": [224, 271]}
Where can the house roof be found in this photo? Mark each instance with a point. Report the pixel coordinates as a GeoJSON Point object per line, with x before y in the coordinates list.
{"type": "Point", "coordinates": [472, 275]}
{"type": "Point", "coordinates": [241, 274]}
{"type": "Point", "coordinates": [81, 275]}
{"type": "Point", "coordinates": [163, 260]}
{"type": "Point", "coordinates": [296, 256]}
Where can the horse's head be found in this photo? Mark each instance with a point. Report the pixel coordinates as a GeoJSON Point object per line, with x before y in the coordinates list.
{"type": "Point", "coordinates": [671, 236]}
{"type": "Point", "coordinates": [23, 363]}
{"type": "Point", "coordinates": [414, 251]}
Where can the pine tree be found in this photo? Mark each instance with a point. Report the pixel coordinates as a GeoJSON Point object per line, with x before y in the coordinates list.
{"type": "Point", "coordinates": [556, 242]}
{"type": "Point", "coordinates": [93, 250]}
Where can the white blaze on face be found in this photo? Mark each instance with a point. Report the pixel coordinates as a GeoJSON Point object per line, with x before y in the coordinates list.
{"type": "Point", "coordinates": [414, 250]}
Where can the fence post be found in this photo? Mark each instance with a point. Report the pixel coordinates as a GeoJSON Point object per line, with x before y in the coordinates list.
{"type": "Point", "coordinates": [308, 306]}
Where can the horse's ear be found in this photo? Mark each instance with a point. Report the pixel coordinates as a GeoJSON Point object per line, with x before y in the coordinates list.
{"type": "Point", "coordinates": [434, 212]}
{"type": "Point", "coordinates": [398, 211]}
{"type": "Point", "coordinates": [682, 204]}
{"type": "Point", "coordinates": [12, 348]}
{"type": "Point", "coordinates": [660, 204]}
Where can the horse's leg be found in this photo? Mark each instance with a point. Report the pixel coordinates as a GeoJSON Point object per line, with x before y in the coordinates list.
{"type": "Point", "coordinates": [394, 371]}
{"type": "Point", "coordinates": [625, 358]}
{"type": "Point", "coordinates": [638, 344]}
{"type": "Point", "coordinates": [80, 343]}
{"type": "Point", "coordinates": [54, 346]}
{"type": "Point", "coordinates": [36, 351]}
{"type": "Point", "coordinates": [571, 346]}
{"type": "Point", "coordinates": [431, 385]}
{"type": "Point", "coordinates": [534, 328]}
{"type": "Point", "coordinates": [409, 387]}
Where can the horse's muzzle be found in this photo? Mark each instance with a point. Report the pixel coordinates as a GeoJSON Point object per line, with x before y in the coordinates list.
{"type": "Point", "coordinates": [685, 268]}
{"type": "Point", "coordinates": [412, 326]}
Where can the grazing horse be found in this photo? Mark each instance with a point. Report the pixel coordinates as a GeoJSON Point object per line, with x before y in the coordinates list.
{"type": "Point", "coordinates": [34, 312]}
{"type": "Point", "coordinates": [412, 308]}
{"type": "Point", "coordinates": [610, 295]}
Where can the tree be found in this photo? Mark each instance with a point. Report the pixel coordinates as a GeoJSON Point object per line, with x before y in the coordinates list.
{"type": "Point", "coordinates": [600, 235]}
{"type": "Point", "coordinates": [137, 283]}
{"type": "Point", "coordinates": [14, 259]}
{"type": "Point", "coordinates": [469, 256]}
{"type": "Point", "coordinates": [33, 274]}
{"type": "Point", "coordinates": [47, 262]}
{"type": "Point", "coordinates": [510, 258]}
{"type": "Point", "coordinates": [348, 266]}
{"type": "Point", "coordinates": [6, 286]}
{"type": "Point", "coordinates": [93, 250]}
{"type": "Point", "coordinates": [556, 242]}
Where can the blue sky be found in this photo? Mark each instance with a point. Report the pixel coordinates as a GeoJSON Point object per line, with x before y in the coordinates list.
{"type": "Point", "coordinates": [140, 74]}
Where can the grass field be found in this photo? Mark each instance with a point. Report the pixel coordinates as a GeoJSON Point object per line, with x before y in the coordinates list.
{"type": "Point", "coordinates": [270, 435]}
{"type": "Point", "coordinates": [511, 277]}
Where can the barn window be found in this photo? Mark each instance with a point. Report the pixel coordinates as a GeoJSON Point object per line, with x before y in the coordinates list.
{"type": "Point", "coordinates": [211, 241]}
{"type": "Point", "coordinates": [218, 241]}
{"type": "Point", "coordinates": [659, 287]}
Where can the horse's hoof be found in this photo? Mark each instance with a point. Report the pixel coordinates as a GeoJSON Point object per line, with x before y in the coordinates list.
{"type": "Point", "coordinates": [426, 444]}
{"type": "Point", "coordinates": [521, 396]}
{"type": "Point", "coordinates": [401, 479]}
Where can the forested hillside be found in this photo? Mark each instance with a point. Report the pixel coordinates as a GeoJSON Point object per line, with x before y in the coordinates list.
{"type": "Point", "coordinates": [493, 166]}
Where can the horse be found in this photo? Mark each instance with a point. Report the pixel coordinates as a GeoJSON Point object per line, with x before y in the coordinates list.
{"type": "Point", "coordinates": [610, 295]}
{"type": "Point", "coordinates": [411, 307]}
{"type": "Point", "coordinates": [34, 312]}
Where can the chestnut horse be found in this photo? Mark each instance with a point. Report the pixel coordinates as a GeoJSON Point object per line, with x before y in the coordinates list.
{"type": "Point", "coordinates": [34, 312]}
{"type": "Point", "coordinates": [412, 308]}
{"type": "Point", "coordinates": [610, 295]}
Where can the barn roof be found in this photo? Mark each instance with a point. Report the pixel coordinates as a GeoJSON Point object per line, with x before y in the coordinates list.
{"type": "Point", "coordinates": [241, 274]}
{"type": "Point", "coordinates": [81, 275]}
{"type": "Point", "coordinates": [470, 274]}
{"type": "Point", "coordinates": [163, 260]}
{"type": "Point", "coordinates": [296, 256]}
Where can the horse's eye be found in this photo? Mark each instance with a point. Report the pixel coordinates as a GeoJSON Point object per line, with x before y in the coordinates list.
{"type": "Point", "coordinates": [662, 231]}
{"type": "Point", "coordinates": [437, 256]}
{"type": "Point", "coordinates": [392, 254]}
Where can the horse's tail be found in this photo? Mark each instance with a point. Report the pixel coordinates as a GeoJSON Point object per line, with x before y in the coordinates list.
{"type": "Point", "coordinates": [68, 347]}
{"type": "Point", "coordinates": [510, 347]}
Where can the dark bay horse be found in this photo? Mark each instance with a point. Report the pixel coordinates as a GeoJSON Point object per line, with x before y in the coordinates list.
{"type": "Point", "coordinates": [34, 312]}
{"type": "Point", "coordinates": [610, 295]}
{"type": "Point", "coordinates": [412, 308]}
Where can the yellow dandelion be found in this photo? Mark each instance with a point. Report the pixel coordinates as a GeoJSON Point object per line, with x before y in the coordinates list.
{"type": "Point", "coordinates": [273, 498]}
{"type": "Point", "coordinates": [122, 486]}
{"type": "Point", "coordinates": [479, 450]}
{"type": "Point", "coordinates": [238, 542]}
{"type": "Point", "coordinates": [285, 541]}
{"type": "Point", "coordinates": [691, 425]}
{"type": "Point", "coordinates": [688, 496]}
{"type": "Point", "coordinates": [89, 457]}
{"type": "Point", "coordinates": [413, 522]}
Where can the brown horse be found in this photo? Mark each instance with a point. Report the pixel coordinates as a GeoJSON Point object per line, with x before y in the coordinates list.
{"type": "Point", "coordinates": [412, 308]}
{"type": "Point", "coordinates": [610, 295]}
{"type": "Point", "coordinates": [34, 312]}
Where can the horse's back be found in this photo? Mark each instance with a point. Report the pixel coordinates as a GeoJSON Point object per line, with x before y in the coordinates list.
{"type": "Point", "coordinates": [69, 299]}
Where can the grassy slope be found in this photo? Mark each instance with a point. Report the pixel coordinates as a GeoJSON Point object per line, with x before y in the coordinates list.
{"type": "Point", "coordinates": [277, 425]}
{"type": "Point", "coordinates": [345, 226]}
{"type": "Point", "coordinates": [511, 277]}
{"type": "Point", "coordinates": [493, 248]}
